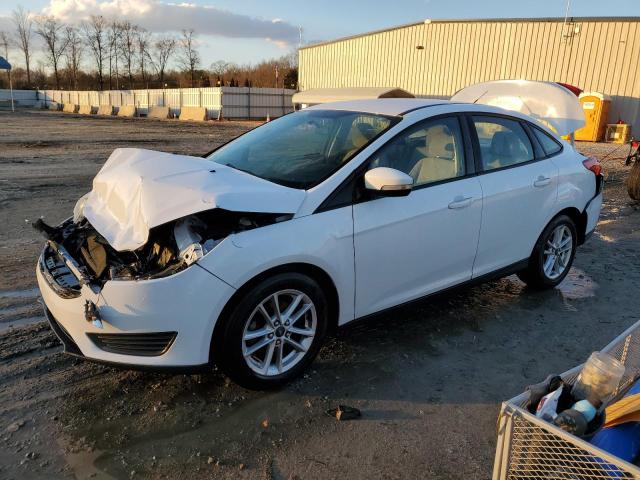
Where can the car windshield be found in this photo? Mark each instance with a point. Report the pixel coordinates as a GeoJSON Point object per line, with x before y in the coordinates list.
{"type": "Point", "coordinates": [302, 149]}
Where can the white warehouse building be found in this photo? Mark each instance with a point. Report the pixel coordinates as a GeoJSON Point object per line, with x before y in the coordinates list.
{"type": "Point", "coordinates": [436, 58]}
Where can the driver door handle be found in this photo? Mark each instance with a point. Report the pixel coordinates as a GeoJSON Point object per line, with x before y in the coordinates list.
{"type": "Point", "coordinates": [542, 181]}
{"type": "Point", "coordinates": [460, 202]}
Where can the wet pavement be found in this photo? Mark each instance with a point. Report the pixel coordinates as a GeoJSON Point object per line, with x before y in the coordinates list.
{"type": "Point", "coordinates": [428, 379]}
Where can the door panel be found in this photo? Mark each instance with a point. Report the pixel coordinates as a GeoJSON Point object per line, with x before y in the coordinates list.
{"type": "Point", "coordinates": [411, 246]}
{"type": "Point", "coordinates": [518, 194]}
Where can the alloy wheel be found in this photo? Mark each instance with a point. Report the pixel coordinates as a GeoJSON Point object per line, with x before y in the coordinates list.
{"type": "Point", "coordinates": [279, 332]}
{"type": "Point", "coordinates": [557, 252]}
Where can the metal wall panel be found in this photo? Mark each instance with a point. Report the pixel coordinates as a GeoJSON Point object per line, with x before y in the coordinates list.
{"type": "Point", "coordinates": [594, 54]}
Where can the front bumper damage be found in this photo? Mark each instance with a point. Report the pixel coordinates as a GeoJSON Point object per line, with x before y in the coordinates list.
{"type": "Point", "coordinates": [123, 281]}
{"type": "Point", "coordinates": [163, 323]}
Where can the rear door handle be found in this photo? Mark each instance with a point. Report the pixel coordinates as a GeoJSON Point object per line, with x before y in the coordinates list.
{"type": "Point", "coordinates": [542, 181]}
{"type": "Point", "coordinates": [460, 202]}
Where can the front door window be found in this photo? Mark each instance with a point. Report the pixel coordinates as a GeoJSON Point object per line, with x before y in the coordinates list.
{"type": "Point", "coordinates": [430, 152]}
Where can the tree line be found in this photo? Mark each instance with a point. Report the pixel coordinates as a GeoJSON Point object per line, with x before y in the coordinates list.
{"type": "Point", "coordinates": [123, 55]}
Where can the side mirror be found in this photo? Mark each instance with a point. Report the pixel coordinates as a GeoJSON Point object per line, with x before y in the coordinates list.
{"type": "Point", "coordinates": [388, 182]}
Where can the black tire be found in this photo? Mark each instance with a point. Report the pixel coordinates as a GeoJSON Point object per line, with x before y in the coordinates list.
{"type": "Point", "coordinates": [534, 275]}
{"type": "Point", "coordinates": [633, 181]}
{"type": "Point", "coordinates": [227, 344]}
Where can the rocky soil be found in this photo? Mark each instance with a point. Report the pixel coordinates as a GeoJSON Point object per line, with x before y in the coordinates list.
{"type": "Point", "coordinates": [428, 379]}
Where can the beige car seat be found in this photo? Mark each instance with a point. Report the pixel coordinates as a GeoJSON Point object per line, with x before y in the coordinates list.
{"type": "Point", "coordinates": [439, 157]}
{"type": "Point", "coordinates": [361, 134]}
{"type": "Point", "coordinates": [506, 149]}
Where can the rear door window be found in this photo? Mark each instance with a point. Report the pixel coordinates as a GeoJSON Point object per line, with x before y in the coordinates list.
{"type": "Point", "coordinates": [503, 142]}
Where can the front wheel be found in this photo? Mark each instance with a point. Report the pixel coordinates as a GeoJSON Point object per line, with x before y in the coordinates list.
{"type": "Point", "coordinates": [552, 255]}
{"type": "Point", "coordinates": [273, 333]}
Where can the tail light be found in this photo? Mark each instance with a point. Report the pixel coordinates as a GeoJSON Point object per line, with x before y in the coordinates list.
{"type": "Point", "coordinates": [593, 164]}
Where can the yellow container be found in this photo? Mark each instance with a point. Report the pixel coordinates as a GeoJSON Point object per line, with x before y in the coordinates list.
{"type": "Point", "coordinates": [618, 133]}
{"type": "Point", "coordinates": [596, 113]}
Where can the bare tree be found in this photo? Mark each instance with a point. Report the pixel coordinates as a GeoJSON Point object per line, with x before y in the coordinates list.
{"type": "Point", "coordinates": [127, 47]}
{"type": "Point", "coordinates": [73, 55]}
{"type": "Point", "coordinates": [189, 58]}
{"type": "Point", "coordinates": [4, 45]}
{"type": "Point", "coordinates": [95, 35]}
{"type": "Point", "coordinates": [40, 75]}
{"type": "Point", "coordinates": [24, 33]}
{"type": "Point", "coordinates": [113, 37]}
{"type": "Point", "coordinates": [55, 40]}
{"type": "Point", "coordinates": [163, 49]}
{"type": "Point", "coordinates": [220, 67]}
{"type": "Point", "coordinates": [144, 57]}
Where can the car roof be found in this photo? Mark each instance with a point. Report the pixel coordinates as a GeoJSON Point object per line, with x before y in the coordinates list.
{"type": "Point", "coordinates": [402, 106]}
{"type": "Point", "coordinates": [381, 106]}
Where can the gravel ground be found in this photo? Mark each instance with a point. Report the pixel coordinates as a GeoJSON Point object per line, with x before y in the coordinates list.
{"type": "Point", "coordinates": [429, 379]}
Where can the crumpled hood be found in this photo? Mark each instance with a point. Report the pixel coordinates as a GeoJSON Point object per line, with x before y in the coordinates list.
{"type": "Point", "coordinates": [139, 189]}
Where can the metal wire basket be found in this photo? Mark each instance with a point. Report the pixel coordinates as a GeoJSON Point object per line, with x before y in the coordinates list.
{"type": "Point", "coordinates": [530, 448]}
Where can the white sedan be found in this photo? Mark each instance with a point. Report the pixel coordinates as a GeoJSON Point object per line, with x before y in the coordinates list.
{"type": "Point", "coordinates": [248, 258]}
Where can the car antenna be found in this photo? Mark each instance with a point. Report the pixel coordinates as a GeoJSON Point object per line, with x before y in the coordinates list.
{"type": "Point", "coordinates": [476, 100]}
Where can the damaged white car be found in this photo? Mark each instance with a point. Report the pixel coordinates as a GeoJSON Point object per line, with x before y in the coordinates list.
{"type": "Point", "coordinates": [250, 256]}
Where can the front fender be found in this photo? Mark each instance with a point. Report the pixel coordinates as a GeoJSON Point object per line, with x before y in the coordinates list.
{"type": "Point", "coordinates": [324, 240]}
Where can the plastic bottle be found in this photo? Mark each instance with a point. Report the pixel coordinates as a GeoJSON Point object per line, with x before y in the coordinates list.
{"type": "Point", "coordinates": [599, 378]}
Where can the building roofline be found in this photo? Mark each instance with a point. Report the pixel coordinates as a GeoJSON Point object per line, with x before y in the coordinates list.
{"type": "Point", "coordinates": [476, 20]}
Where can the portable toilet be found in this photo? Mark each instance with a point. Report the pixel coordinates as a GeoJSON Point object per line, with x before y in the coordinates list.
{"type": "Point", "coordinates": [596, 112]}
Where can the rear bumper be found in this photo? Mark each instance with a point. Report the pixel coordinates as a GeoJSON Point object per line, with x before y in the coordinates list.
{"type": "Point", "coordinates": [186, 304]}
{"type": "Point", "coordinates": [592, 210]}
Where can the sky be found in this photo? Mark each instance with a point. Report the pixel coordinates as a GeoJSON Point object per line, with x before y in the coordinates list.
{"type": "Point", "coordinates": [247, 31]}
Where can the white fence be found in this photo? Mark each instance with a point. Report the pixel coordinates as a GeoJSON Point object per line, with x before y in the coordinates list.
{"type": "Point", "coordinates": [21, 98]}
{"type": "Point", "coordinates": [228, 102]}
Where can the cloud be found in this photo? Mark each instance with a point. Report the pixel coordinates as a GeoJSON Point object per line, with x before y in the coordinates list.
{"type": "Point", "coordinates": [157, 16]}
{"type": "Point", "coordinates": [6, 24]}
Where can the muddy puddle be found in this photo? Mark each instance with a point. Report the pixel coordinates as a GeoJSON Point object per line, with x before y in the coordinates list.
{"type": "Point", "coordinates": [578, 285]}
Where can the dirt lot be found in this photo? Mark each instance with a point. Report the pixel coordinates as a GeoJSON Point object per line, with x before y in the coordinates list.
{"type": "Point", "coordinates": [428, 379]}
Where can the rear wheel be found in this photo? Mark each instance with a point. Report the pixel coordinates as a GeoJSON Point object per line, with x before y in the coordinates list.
{"type": "Point", "coordinates": [633, 181]}
{"type": "Point", "coordinates": [274, 332]}
{"type": "Point", "coordinates": [552, 255]}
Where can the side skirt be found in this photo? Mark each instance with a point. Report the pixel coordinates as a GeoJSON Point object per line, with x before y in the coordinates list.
{"type": "Point", "coordinates": [502, 272]}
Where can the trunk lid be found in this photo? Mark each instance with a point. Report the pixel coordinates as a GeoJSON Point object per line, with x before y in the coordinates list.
{"type": "Point", "coordinates": [549, 102]}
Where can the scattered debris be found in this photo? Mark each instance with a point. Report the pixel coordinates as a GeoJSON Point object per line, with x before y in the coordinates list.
{"type": "Point", "coordinates": [15, 426]}
{"type": "Point", "coordinates": [344, 412]}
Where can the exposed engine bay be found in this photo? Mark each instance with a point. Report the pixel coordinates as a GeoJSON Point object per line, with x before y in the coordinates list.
{"type": "Point", "coordinates": [171, 247]}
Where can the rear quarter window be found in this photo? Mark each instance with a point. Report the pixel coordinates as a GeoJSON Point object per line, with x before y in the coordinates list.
{"type": "Point", "coordinates": [549, 144]}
